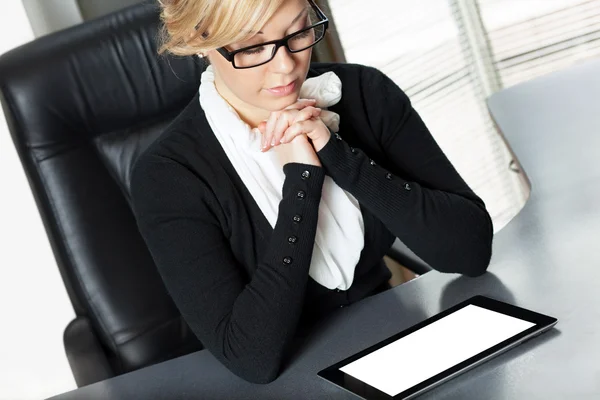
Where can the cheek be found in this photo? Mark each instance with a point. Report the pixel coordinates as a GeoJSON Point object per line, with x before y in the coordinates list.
{"type": "Point", "coordinates": [304, 63]}
{"type": "Point", "coordinates": [250, 85]}
{"type": "Point", "coordinates": [243, 85]}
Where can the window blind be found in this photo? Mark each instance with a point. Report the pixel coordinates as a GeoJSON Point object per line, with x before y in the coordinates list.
{"type": "Point", "coordinates": [418, 45]}
{"type": "Point", "coordinates": [422, 46]}
{"type": "Point", "coordinates": [535, 37]}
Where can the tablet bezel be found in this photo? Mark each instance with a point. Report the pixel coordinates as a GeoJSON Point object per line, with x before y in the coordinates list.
{"type": "Point", "coordinates": [542, 323]}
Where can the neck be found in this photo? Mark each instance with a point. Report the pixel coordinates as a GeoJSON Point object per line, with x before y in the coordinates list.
{"type": "Point", "coordinates": [253, 117]}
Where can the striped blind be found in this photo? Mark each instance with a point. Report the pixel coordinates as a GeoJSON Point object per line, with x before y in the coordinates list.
{"type": "Point", "coordinates": [531, 38]}
{"type": "Point", "coordinates": [417, 44]}
{"type": "Point", "coordinates": [421, 45]}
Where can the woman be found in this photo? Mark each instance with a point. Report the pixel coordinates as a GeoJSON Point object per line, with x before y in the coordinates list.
{"type": "Point", "coordinates": [254, 236]}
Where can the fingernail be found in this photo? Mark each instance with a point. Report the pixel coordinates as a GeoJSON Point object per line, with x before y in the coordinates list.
{"type": "Point", "coordinates": [282, 140]}
{"type": "Point", "coordinates": [273, 142]}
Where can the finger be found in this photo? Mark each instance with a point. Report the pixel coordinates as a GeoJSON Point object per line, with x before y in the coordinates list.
{"type": "Point", "coordinates": [299, 128]}
{"type": "Point", "coordinates": [267, 137]}
{"type": "Point", "coordinates": [300, 104]}
{"type": "Point", "coordinates": [306, 113]}
{"type": "Point", "coordinates": [282, 124]}
{"type": "Point", "coordinates": [262, 127]}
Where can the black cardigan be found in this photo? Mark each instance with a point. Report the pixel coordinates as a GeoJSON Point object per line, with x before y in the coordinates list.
{"type": "Point", "coordinates": [242, 287]}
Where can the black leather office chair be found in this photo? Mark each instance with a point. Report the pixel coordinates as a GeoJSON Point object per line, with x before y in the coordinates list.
{"type": "Point", "coordinates": [81, 105]}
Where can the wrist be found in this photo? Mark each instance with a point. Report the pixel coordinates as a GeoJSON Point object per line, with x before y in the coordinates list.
{"type": "Point", "coordinates": [319, 144]}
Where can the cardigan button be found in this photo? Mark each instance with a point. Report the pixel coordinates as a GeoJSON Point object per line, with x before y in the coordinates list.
{"type": "Point", "coordinates": [301, 194]}
{"type": "Point", "coordinates": [338, 137]}
{"type": "Point", "coordinates": [305, 175]}
{"type": "Point", "coordinates": [337, 290]}
{"type": "Point", "coordinates": [388, 176]}
{"type": "Point", "coordinates": [373, 162]}
{"type": "Point", "coordinates": [297, 218]}
{"type": "Point", "coordinates": [407, 186]}
{"type": "Point", "coordinates": [287, 260]}
{"type": "Point", "coordinates": [292, 239]}
{"type": "Point", "coordinates": [353, 150]}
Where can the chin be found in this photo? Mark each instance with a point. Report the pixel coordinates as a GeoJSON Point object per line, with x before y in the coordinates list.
{"type": "Point", "coordinates": [281, 103]}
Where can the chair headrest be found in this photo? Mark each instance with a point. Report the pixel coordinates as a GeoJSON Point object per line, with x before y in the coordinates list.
{"type": "Point", "coordinates": [95, 78]}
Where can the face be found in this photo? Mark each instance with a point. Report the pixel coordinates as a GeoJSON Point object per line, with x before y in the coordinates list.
{"type": "Point", "coordinates": [247, 90]}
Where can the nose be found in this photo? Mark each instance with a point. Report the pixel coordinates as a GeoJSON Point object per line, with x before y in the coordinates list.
{"type": "Point", "coordinates": [283, 61]}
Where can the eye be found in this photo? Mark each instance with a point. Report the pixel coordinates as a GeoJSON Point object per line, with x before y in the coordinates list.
{"type": "Point", "coordinates": [302, 35]}
{"type": "Point", "coordinates": [253, 51]}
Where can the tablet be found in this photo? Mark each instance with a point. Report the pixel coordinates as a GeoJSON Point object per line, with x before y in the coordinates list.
{"type": "Point", "coordinates": [425, 355]}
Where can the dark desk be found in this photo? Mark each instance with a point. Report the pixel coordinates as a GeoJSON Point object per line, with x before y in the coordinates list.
{"type": "Point", "coordinates": [546, 259]}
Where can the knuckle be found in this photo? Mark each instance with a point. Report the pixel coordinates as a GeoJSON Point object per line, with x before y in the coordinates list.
{"type": "Point", "coordinates": [293, 117]}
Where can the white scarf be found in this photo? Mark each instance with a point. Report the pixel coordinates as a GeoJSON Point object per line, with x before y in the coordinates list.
{"type": "Point", "coordinates": [339, 238]}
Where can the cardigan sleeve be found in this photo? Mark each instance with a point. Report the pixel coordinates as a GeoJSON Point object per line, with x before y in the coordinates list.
{"type": "Point", "coordinates": [418, 195]}
{"type": "Point", "coordinates": [246, 323]}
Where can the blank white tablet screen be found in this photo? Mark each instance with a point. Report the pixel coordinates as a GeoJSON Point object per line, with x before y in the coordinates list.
{"type": "Point", "coordinates": [434, 348]}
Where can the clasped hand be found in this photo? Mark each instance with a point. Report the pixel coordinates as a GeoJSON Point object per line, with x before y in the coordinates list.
{"type": "Point", "coordinates": [300, 118]}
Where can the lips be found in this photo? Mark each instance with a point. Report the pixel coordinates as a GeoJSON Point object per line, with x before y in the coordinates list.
{"type": "Point", "coordinates": [283, 90]}
{"type": "Point", "coordinates": [281, 87]}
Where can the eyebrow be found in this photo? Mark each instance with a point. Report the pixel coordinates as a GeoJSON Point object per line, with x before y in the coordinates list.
{"type": "Point", "coordinates": [295, 19]}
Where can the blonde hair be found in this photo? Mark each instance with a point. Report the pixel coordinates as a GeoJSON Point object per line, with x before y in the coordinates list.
{"type": "Point", "coordinates": [190, 27]}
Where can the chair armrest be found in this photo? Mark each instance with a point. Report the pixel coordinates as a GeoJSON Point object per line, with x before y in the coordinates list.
{"type": "Point", "coordinates": [86, 356]}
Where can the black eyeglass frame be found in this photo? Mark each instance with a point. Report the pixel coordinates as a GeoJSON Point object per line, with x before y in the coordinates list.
{"type": "Point", "coordinates": [230, 55]}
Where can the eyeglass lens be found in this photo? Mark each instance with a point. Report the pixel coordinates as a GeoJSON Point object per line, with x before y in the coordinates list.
{"type": "Point", "coordinates": [262, 54]}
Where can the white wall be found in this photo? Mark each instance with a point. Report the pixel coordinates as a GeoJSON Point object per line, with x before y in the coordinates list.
{"type": "Point", "coordinates": [34, 307]}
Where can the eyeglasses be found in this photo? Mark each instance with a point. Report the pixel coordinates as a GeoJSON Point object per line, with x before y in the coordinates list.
{"type": "Point", "coordinates": [259, 54]}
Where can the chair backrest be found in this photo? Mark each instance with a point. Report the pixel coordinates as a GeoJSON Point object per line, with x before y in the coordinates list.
{"type": "Point", "coordinates": [81, 105]}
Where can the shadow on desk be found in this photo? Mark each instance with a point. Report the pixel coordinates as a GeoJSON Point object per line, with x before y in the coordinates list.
{"type": "Point", "coordinates": [463, 288]}
{"type": "Point", "coordinates": [343, 333]}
